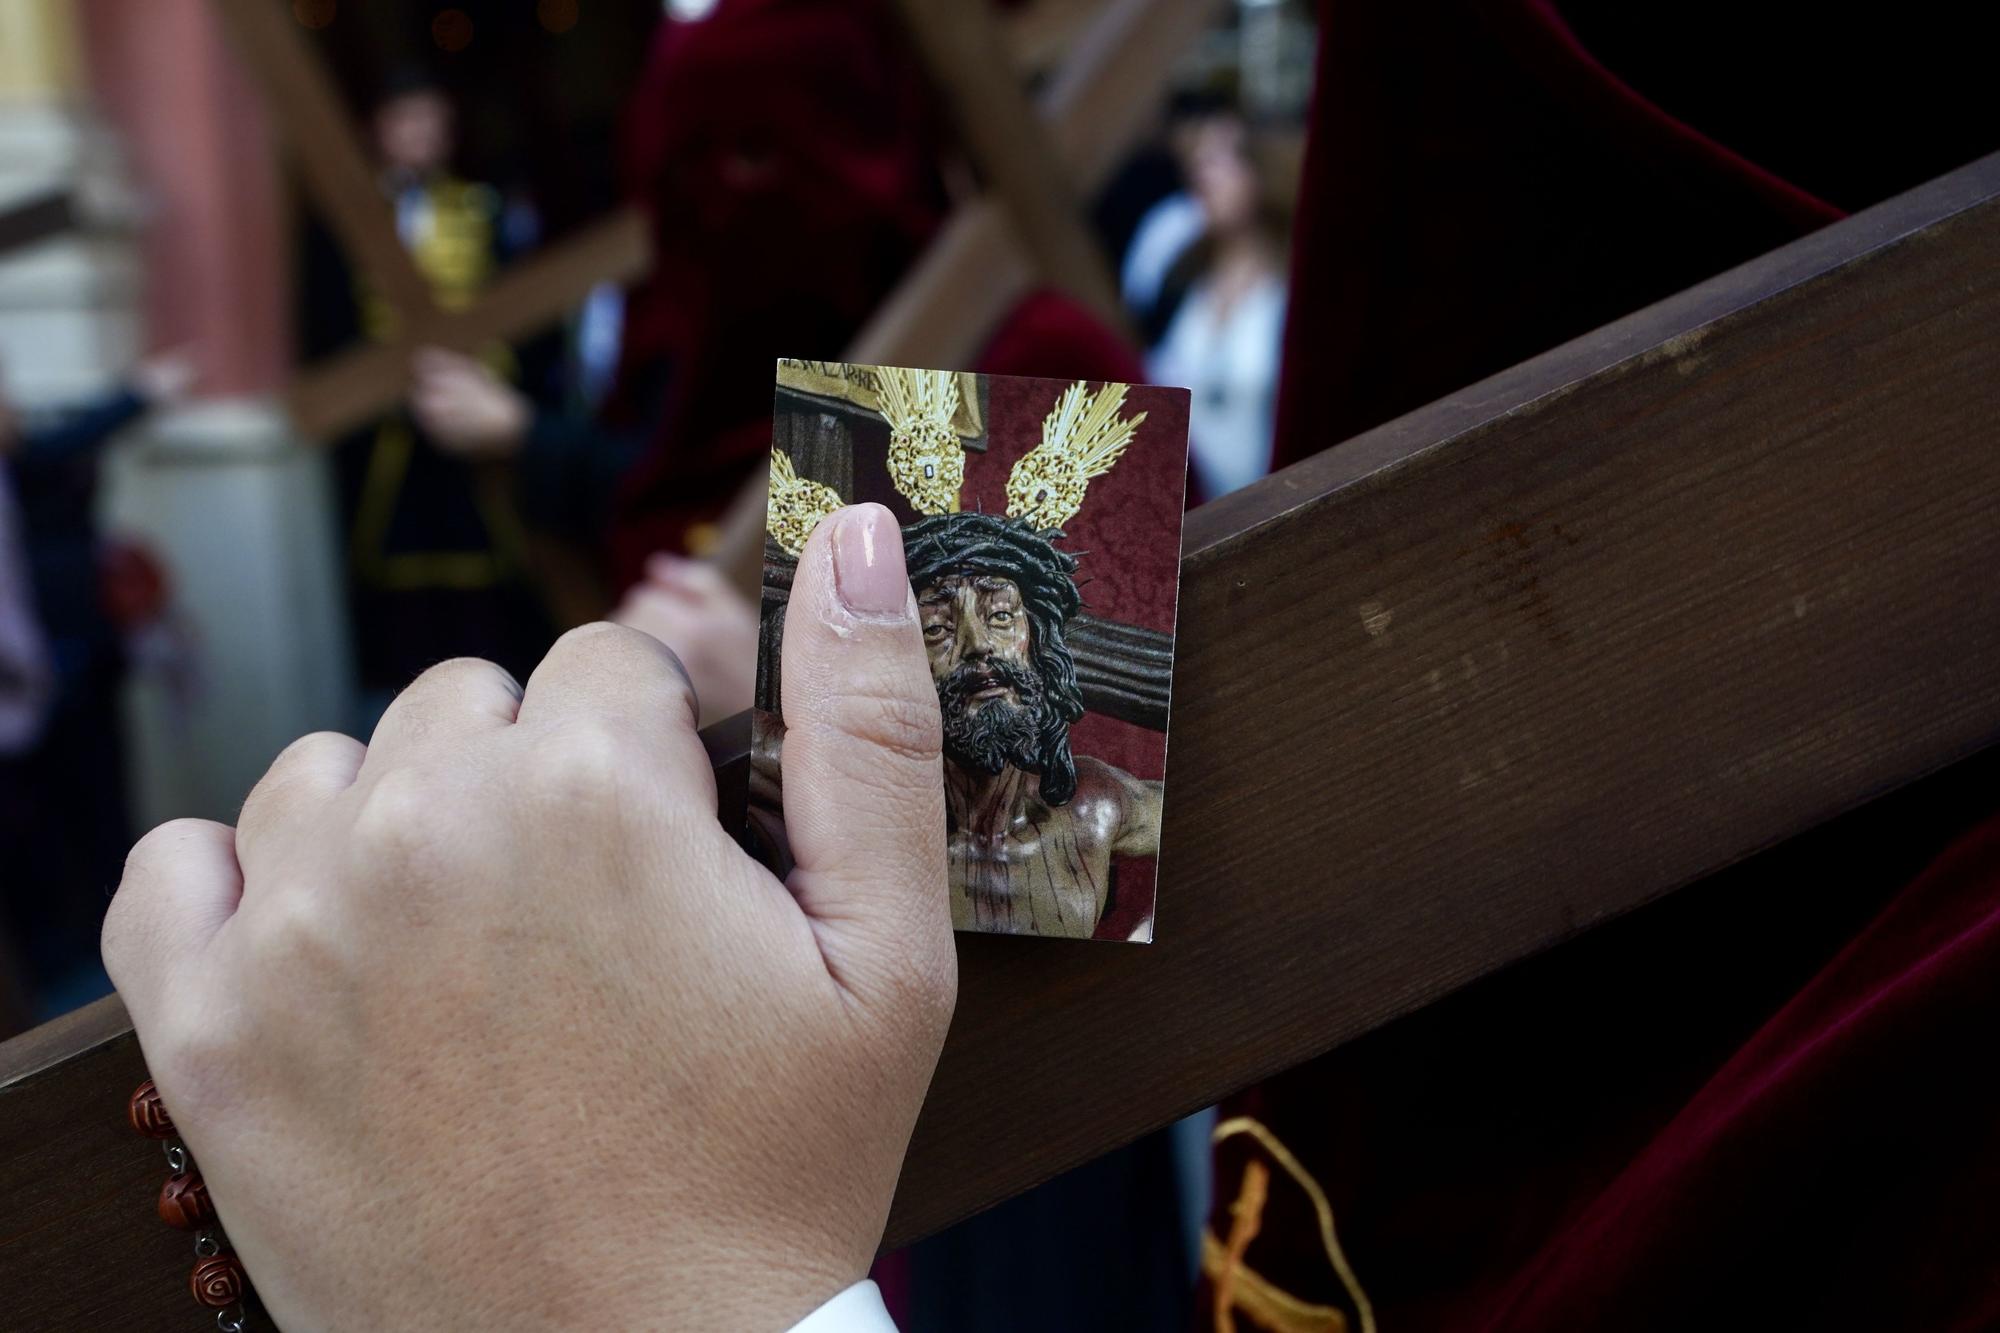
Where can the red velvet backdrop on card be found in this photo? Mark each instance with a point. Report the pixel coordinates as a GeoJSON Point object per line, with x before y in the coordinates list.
{"type": "Point", "coordinates": [1128, 539]}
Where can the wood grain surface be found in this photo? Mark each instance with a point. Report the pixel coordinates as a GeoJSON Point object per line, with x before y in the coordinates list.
{"type": "Point", "coordinates": [1445, 696]}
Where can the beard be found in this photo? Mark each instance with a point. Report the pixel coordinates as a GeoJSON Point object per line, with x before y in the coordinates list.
{"type": "Point", "coordinates": [999, 731]}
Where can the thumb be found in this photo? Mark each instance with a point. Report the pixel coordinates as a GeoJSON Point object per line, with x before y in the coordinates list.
{"type": "Point", "coordinates": [864, 795]}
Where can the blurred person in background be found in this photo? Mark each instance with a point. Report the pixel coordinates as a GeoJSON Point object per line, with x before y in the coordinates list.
{"type": "Point", "coordinates": [1224, 340]}
{"type": "Point", "coordinates": [780, 223]}
{"type": "Point", "coordinates": [436, 548]}
{"type": "Point", "coordinates": [64, 827]}
{"type": "Point", "coordinates": [1150, 216]}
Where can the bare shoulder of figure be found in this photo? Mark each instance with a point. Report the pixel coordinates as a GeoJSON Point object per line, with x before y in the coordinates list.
{"type": "Point", "coordinates": [1126, 809]}
{"type": "Point", "coordinates": [1122, 809]}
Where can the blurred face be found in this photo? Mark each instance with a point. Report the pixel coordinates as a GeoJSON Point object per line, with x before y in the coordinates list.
{"type": "Point", "coordinates": [413, 132]}
{"type": "Point", "coordinates": [1221, 175]}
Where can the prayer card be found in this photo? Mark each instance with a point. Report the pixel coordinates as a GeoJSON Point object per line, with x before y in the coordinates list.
{"type": "Point", "coordinates": [1041, 524]}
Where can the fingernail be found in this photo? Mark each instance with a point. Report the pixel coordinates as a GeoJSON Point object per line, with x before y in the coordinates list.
{"type": "Point", "coordinates": [868, 562]}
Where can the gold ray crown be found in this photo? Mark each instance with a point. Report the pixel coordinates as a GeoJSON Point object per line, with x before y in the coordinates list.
{"type": "Point", "coordinates": [926, 460]}
{"type": "Point", "coordinates": [1081, 439]}
{"type": "Point", "coordinates": [796, 505]}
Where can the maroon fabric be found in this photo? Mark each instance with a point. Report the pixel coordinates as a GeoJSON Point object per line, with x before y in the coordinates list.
{"type": "Point", "coordinates": [1478, 190]}
{"type": "Point", "coordinates": [1842, 1168]}
{"type": "Point", "coordinates": [1749, 1106]}
{"type": "Point", "coordinates": [1766, 1102]}
{"type": "Point", "coordinates": [783, 152]}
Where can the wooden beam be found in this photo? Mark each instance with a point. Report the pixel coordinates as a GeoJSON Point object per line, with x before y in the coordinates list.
{"type": "Point", "coordinates": [358, 384]}
{"type": "Point", "coordinates": [345, 186]}
{"type": "Point", "coordinates": [1041, 33]}
{"type": "Point", "coordinates": [1447, 695]}
{"type": "Point", "coordinates": [1510, 666]}
{"type": "Point", "coordinates": [1009, 143]}
{"type": "Point", "coordinates": [1113, 87]}
{"type": "Point", "coordinates": [1096, 107]}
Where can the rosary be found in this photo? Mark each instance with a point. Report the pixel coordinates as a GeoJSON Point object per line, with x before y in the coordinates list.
{"type": "Point", "coordinates": [218, 1280]}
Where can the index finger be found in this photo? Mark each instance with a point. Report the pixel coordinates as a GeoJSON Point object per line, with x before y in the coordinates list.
{"type": "Point", "coordinates": [621, 685]}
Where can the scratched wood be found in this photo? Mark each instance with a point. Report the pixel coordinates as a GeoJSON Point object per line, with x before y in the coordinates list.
{"type": "Point", "coordinates": [1447, 695]}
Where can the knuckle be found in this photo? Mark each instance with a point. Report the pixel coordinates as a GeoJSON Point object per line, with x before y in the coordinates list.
{"type": "Point", "coordinates": [606, 649]}
{"type": "Point", "coordinates": [586, 760]}
{"type": "Point", "coordinates": [160, 845]}
{"type": "Point", "coordinates": [302, 757]}
{"type": "Point", "coordinates": [293, 937]}
{"type": "Point", "coordinates": [123, 935]}
{"type": "Point", "coordinates": [930, 990]}
{"type": "Point", "coordinates": [311, 745]}
{"type": "Point", "coordinates": [596, 637]}
{"type": "Point", "coordinates": [914, 997]}
{"type": "Point", "coordinates": [394, 814]}
{"type": "Point", "coordinates": [458, 674]}
{"type": "Point", "coordinates": [894, 722]}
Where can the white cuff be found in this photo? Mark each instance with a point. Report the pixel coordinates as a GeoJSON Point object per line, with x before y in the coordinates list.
{"type": "Point", "coordinates": [859, 1309]}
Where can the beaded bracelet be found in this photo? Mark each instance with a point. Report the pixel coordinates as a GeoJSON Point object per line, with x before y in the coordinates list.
{"type": "Point", "coordinates": [218, 1280]}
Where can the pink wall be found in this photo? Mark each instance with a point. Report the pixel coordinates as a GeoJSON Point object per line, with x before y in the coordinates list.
{"type": "Point", "coordinates": [216, 262]}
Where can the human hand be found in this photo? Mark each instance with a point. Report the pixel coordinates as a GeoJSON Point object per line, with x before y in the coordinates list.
{"type": "Point", "coordinates": [164, 379]}
{"type": "Point", "coordinates": [491, 1025]}
{"type": "Point", "coordinates": [465, 408]}
{"type": "Point", "coordinates": [689, 606]}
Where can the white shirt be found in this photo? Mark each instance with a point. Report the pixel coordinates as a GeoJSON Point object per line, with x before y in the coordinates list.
{"type": "Point", "coordinates": [859, 1309]}
{"type": "Point", "coordinates": [1162, 236]}
{"type": "Point", "coordinates": [1229, 363]}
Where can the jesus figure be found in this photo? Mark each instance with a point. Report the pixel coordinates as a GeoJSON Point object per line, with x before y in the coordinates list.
{"type": "Point", "coordinates": [1031, 829]}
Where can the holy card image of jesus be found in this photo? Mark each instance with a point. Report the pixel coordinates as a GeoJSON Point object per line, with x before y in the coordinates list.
{"type": "Point", "coordinates": [1041, 525]}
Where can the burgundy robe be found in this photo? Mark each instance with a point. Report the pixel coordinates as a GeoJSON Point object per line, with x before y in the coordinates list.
{"type": "Point", "coordinates": [1769, 1101]}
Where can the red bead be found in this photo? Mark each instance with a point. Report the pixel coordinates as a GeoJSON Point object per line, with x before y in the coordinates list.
{"type": "Point", "coordinates": [148, 1114]}
{"type": "Point", "coordinates": [184, 1202]}
{"type": "Point", "coordinates": [219, 1282]}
